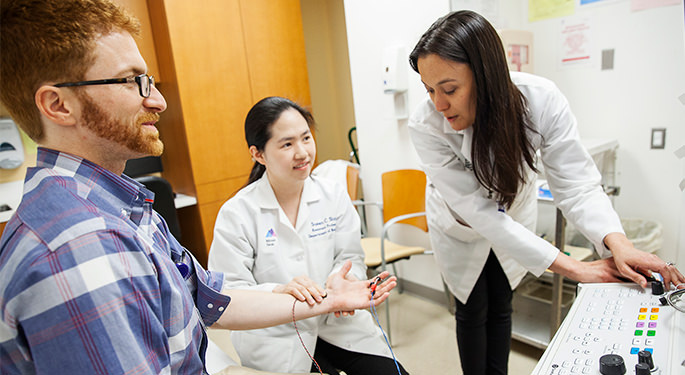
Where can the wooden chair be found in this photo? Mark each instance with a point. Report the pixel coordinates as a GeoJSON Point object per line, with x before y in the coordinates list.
{"type": "Point", "coordinates": [404, 200]}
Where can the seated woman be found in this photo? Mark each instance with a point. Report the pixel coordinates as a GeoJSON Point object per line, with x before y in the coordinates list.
{"type": "Point", "coordinates": [287, 232]}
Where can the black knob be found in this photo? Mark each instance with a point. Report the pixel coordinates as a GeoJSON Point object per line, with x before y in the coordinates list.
{"type": "Point", "coordinates": [657, 288]}
{"type": "Point", "coordinates": [642, 369]}
{"type": "Point", "coordinates": [644, 356]}
{"type": "Point", "coordinates": [611, 364]}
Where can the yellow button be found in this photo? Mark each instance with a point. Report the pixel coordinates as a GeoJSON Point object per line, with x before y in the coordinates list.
{"type": "Point", "coordinates": [653, 317]}
{"type": "Point", "coordinates": [641, 317]}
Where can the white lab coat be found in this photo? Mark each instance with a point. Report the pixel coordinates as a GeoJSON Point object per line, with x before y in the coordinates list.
{"type": "Point", "coordinates": [453, 193]}
{"type": "Point", "coordinates": [256, 247]}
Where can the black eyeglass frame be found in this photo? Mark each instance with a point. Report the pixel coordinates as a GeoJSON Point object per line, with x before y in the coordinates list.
{"type": "Point", "coordinates": [137, 79]}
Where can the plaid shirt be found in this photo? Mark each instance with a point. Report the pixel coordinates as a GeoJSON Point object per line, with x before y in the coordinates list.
{"type": "Point", "coordinates": [89, 282]}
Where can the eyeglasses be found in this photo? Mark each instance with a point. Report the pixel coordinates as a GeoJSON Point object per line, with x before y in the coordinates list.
{"type": "Point", "coordinates": [144, 81]}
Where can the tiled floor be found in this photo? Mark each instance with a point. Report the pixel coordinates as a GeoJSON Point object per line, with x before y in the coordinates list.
{"type": "Point", "coordinates": [424, 339]}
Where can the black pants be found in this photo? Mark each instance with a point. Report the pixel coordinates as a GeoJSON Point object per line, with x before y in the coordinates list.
{"type": "Point", "coordinates": [332, 358]}
{"type": "Point", "coordinates": [484, 323]}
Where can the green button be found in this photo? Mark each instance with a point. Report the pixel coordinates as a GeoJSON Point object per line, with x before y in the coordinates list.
{"type": "Point", "coordinates": [651, 333]}
{"type": "Point", "coordinates": [638, 332]}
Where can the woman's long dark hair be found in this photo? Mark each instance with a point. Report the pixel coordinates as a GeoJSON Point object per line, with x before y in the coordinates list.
{"type": "Point", "coordinates": [501, 148]}
{"type": "Point", "coordinates": [259, 121]}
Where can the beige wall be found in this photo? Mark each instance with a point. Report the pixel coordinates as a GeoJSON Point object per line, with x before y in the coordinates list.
{"type": "Point", "coordinates": [329, 76]}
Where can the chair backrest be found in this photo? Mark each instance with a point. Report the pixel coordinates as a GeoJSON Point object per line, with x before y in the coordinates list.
{"type": "Point", "coordinates": [341, 171]}
{"type": "Point", "coordinates": [353, 182]}
{"type": "Point", "coordinates": [164, 201]}
{"type": "Point", "coordinates": [404, 192]}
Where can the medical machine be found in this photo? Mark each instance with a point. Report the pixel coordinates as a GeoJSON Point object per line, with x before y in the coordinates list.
{"type": "Point", "coordinates": [617, 328]}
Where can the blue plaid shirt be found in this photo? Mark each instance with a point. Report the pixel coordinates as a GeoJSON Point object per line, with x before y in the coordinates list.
{"type": "Point", "coordinates": [89, 282]}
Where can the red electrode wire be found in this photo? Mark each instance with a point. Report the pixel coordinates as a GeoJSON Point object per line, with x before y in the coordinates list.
{"type": "Point", "coordinates": [374, 284]}
{"type": "Point", "coordinates": [302, 342]}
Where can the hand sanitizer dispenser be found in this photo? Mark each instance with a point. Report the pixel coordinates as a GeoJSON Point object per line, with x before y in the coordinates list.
{"type": "Point", "coordinates": [395, 64]}
{"type": "Point", "coordinates": [11, 147]}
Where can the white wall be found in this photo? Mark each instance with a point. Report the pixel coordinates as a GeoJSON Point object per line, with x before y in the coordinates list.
{"type": "Point", "coordinates": [371, 26]}
{"type": "Point", "coordinates": [383, 141]}
{"type": "Point", "coordinates": [640, 93]}
{"type": "Point", "coordinates": [681, 245]}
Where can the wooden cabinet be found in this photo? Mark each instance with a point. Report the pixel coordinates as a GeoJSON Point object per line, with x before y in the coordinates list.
{"type": "Point", "coordinates": [216, 61]}
{"type": "Point", "coordinates": [146, 41]}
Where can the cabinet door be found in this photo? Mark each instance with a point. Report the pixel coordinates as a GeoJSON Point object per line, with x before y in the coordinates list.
{"type": "Point", "coordinates": [220, 58]}
{"type": "Point", "coordinates": [211, 73]}
{"type": "Point", "coordinates": [274, 42]}
{"type": "Point", "coordinates": [146, 42]}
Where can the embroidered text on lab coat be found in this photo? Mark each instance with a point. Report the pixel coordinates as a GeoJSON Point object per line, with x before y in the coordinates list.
{"type": "Point", "coordinates": [323, 227]}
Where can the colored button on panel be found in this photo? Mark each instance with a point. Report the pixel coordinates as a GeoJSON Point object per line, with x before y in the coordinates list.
{"type": "Point", "coordinates": [651, 333]}
{"type": "Point", "coordinates": [641, 317]}
{"type": "Point", "coordinates": [655, 309]}
{"type": "Point", "coordinates": [654, 317]}
{"type": "Point", "coordinates": [643, 309]}
{"type": "Point", "coordinates": [652, 324]}
{"type": "Point", "coordinates": [638, 332]}
{"type": "Point", "coordinates": [634, 350]}
{"type": "Point", "coordinates": [640, 324]}
{"type": "Point", "coordinates": [650, 350]}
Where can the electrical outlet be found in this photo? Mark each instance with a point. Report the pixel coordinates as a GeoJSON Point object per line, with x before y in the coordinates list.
{"type": "Point", "coordinates": [658, 138]}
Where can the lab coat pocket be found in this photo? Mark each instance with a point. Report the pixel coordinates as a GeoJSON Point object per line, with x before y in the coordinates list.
{"type": "Point", "coordinates": [441, 218]}
{"type": "Point", "coordinates": [264, 352]}
{"type": "Point", "coordinates": [267, 272]}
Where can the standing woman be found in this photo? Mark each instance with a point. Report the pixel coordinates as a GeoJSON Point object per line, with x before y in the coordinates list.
{"type": "Point", "coordinates": [477, 134]}
{"type": "Point", "coordinates": [287, 232]}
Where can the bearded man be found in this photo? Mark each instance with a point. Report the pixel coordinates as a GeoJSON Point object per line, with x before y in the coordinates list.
{"type": "Point", "coordinates": [91, 280]}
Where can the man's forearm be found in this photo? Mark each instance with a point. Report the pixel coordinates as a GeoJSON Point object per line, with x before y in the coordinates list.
{"type": "Point", "coordinates": [251, 309]}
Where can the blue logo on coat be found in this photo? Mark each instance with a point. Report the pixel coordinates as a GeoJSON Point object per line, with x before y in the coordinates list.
{"type": "Point", "coordinates": [270, 237]}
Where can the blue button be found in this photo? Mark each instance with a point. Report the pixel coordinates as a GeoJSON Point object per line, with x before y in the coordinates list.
{"type": "Point", "coordinates": [651, 350]}
{"type": "Point", "coordinates": [634, 350]}
{"type": "Point", "coordinates": [183, 269]}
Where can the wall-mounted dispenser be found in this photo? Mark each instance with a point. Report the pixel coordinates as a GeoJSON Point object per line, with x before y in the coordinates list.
{"type": "Point", "coordinates": [395, 63]}
{"type": "Point", "coordinates": [11, 147]}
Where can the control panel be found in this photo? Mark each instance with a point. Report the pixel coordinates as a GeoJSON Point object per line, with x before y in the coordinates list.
{"type": "Point", "coordinates": [616, 326]}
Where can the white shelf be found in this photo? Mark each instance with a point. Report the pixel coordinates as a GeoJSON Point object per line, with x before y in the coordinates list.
{"type": "Point", "coordinates": [183, 200]}
{"type": "Point", "coordinates": [11, 193]}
